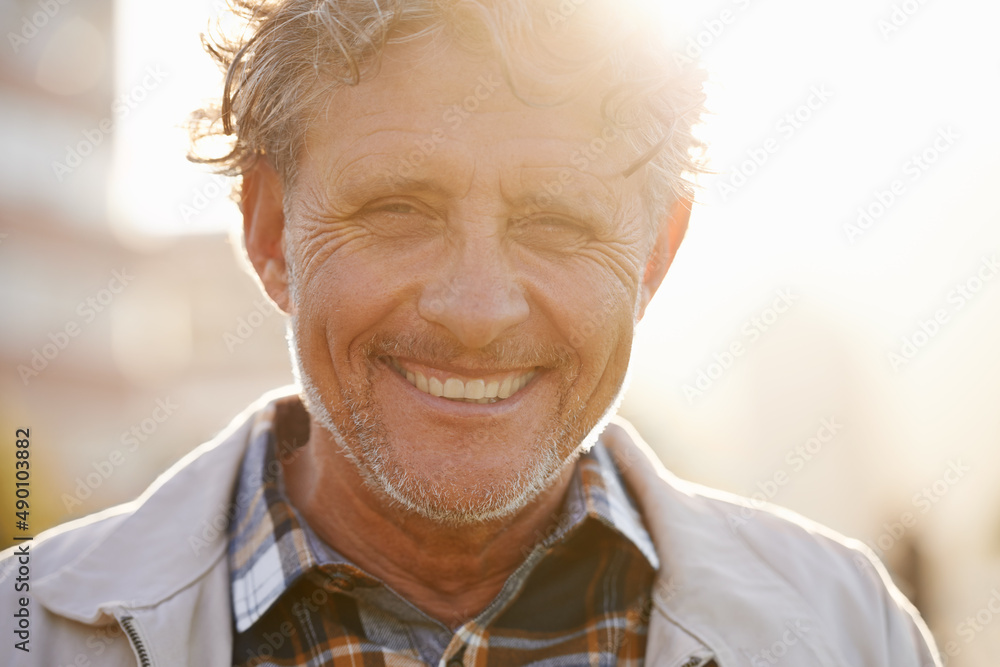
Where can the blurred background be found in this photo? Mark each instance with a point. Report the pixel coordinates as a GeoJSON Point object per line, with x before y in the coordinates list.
{"type": "Point", "coordinates": [826, 339]}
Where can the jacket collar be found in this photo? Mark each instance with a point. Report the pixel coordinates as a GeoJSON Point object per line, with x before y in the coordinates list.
{"type": "Point", "coordinates": [124, 568]}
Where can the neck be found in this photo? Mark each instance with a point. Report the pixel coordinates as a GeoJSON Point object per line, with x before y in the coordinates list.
{"type": "Point", "coordinates": [449, 572]}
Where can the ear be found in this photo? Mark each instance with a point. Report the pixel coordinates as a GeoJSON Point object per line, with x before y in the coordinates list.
{"type": "Point", "coordinates": [672, 226]}
{"type": "Point", "coordinates": [261, 202]}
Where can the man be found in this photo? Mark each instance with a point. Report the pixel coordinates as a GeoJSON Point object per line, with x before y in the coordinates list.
{"type": "Point", "coordinates": [440, 194]}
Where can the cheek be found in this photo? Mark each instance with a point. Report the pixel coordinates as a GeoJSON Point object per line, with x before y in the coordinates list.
{"type": "Point", "coordinates": [349, 272]}
{"type": "Point", "coordinates": [340, 303]}
{"type": "Point", "coordinates": [592, 312]}
{"type": "Point", "coordinates": [345, 276]}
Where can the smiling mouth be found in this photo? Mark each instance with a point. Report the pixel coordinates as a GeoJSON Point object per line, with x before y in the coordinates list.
{"type": "Point", "coordinates": [492, 389]}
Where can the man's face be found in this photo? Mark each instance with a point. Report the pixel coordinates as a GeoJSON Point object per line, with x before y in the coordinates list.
{"type": "Point", "coordinates": [446, 238]}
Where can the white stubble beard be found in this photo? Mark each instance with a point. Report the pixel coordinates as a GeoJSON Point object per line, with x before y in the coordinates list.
{"type": "Point", "coordinates": [367, 446]}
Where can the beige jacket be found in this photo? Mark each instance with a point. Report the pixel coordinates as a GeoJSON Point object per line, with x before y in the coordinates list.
{"type": "Point", "coordinates": [147, 583]}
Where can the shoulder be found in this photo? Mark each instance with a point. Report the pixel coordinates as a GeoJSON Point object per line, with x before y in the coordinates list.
{"type": "Point", "coordinates": [758, 559]}
{"type": "Point", "coordinates": [787, 542]}
{"type": "Point", "coordinates": [839, 578]}
{"type": "Point", "coordinates": [182, 500]}
{"type": "Point", "coordinates": [52, 549]}
{"type": "Point", "coordinates": [820, 563]}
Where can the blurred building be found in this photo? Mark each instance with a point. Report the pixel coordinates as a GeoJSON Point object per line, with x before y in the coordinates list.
{"type": "Point", "coordinates": [120, 354]}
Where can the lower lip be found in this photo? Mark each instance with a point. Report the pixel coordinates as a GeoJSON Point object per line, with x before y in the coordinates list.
{"type": "Point", "coordinates": [463, 408]}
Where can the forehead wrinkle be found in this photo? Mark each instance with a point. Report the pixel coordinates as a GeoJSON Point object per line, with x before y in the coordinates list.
{"type": "Point", "coordinates": [362, 144]}
{"type": "Point", "coordinates": [482, 195]}
{"type": "Point", "coordinates": [444, 171]}
{"type": "Point", "coordinates": [473, 171]}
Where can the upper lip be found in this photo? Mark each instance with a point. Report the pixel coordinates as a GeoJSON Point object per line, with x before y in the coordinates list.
{"type": "Point", "coordinates": [462, 373]}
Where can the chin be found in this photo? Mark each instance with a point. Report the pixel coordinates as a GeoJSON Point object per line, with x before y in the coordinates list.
{"type": "Point", "coordinates": [469, 498]}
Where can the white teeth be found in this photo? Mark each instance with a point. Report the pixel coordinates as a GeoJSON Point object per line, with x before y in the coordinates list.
{"type": "Point", "coordinates": [504, 391]}
{"type": "Point", "coordinates": [473, 391]}
{"type": "Point", "coordinates": [454, 388]}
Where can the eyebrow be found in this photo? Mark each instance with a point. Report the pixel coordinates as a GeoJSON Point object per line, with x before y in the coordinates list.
{"type": "Point", "coordinates": [362, 185]}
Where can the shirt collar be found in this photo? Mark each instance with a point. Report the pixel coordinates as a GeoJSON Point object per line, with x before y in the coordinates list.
{"type": "Point", "coordinates": [271, 546]}
{"type": "Point", "coordinates": [605, 499]}
{"type": "Point", "coordinates": [268, 550]}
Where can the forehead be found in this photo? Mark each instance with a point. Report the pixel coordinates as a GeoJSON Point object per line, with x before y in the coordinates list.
{"type": "Point", "coordinates": [434, 107]}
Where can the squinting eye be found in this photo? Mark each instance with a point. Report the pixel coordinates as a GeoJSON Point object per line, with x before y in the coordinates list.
{"type": "Point", "coordinates": [556, 223]}
{"type": "Point", "coordinates": [551, 232]}
{"type": "Point", "coordinates": [398, 219]}
{"type": "Point", "coordinates": [397, 207]}
{"type": "Point", "coordinates": [540, 223]}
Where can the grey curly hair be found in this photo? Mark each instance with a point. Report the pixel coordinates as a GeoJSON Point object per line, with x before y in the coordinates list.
{"type": "Point", "coordinates": [281, 58]}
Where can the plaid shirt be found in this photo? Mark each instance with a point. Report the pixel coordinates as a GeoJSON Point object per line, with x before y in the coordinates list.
{"type": "Point", "coordinates": [581, 597]}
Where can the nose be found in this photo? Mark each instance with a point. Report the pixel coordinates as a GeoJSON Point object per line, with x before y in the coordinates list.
{"type": "Point", "coordinates": [475, 295]}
